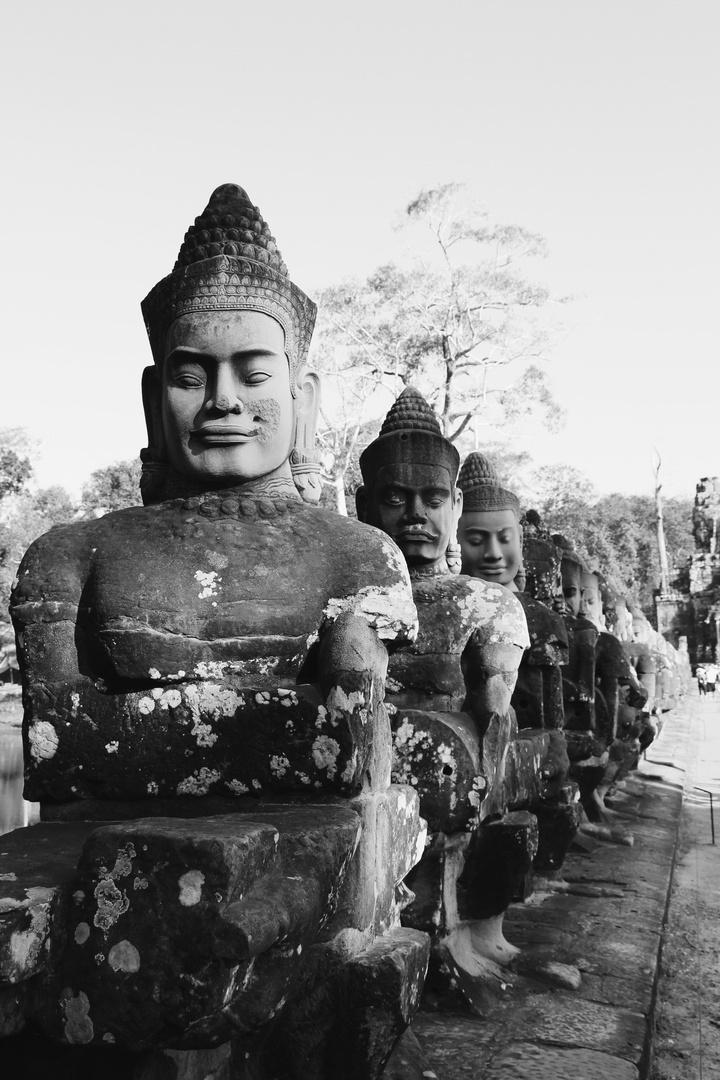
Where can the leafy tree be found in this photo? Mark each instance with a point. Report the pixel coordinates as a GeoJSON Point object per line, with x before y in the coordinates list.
{"type": "Point", "coordinates": [111, 488]}
{"type": "Point", "coordinates": [15, 461]}
{"type": "Point", "coordinates": [451, 322]}
{"type": "Point", "coordinates": [615, 533]}
{"type": "Point", "coordinates": [24, 518]}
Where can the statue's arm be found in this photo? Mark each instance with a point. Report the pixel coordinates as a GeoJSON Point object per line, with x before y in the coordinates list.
{"type": "Point", "coordinates": [47, 608]}
{"type": "Point", "coordinates": [496, 642]}
{"type": "Point", "coordinates": [355, 638]}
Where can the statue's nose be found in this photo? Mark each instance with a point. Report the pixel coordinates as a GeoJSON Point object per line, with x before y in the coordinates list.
{"type": "Point", "coordinates": [224, 404]}
{"type": "Point", "coordinates": [416, 513]}
{"type": "Point", "coordinates": [493, 551]}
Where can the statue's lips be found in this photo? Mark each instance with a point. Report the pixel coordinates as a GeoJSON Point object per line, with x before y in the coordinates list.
{"type": "Point", "coordinates": [223, 435]}
{"type": "Point", "coordinates": [416, 535]}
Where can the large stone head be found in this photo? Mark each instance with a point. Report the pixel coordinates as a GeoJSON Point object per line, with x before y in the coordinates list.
{"type": "Point", "coordinates": [642, 631]}
{"type": "Point", "coordinates": [229, 396]}
{"type": "Point", "coordinates": [572, 569]}
{"type": "Point", "coordinates": [617, 617]}
{"type": "Point", "coordinates": [591, 605]}
{"type": "Point", "coordinates": [409, 490]}
{"type": "Point", "coordinates": [489, 531]}
{"type": "Point", "coordinates": [542, 561]}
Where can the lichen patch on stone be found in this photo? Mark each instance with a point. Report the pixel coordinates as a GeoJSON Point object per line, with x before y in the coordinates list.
{"type": "Point", "coordinates": [43, 740]}
{"type": "Point", "coordinates": [390, 610]}
{"type": "Point", "coordinates": [208, 582]}
{"type": "Point", "coordinates": [190, 885]}
{"type": "Point", "coordinates": [78, 1025]}
{"type": "Point", "coordinates": [279, 765]}
{"type": "Point", "coordinates": [325, 754]}
{"type": "Point", "coordinates": [340, 705]}
{"type": "Point", "coordinates": [111, 904]}
{"type": "Point", "coordinates": [82, 933]}
{"type": "Point", "coordinates": [199, 783]}
{"type": "Point", "coordinates": [123, 956]}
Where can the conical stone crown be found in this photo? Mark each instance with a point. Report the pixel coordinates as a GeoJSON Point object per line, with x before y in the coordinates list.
{"type": "Point", "coordinates": [410, 412]}
{"type": "Point", "coordinates": [229, 261]}
{"type": "Point", "coordinates": [481, 487]}
{"type": "Point", "coordinates": [230, 225]}
{"type": "Point", "coordinates": [410, 434]}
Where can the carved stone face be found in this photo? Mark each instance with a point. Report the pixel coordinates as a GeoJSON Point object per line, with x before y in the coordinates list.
{"type": "Point", "coordinates": [623, 621]}
{"type": "Point", "coordinates": [591, 602]}
{"type": "Point", "coordinates": [491, 545]}
{"type": "Point", "coordinates": [541, 560]}
{"type": "Point", "coordinates": [641, 629]}
{"type": "Point", "coordinates": [228, 413]}
{"type": "Point", "coordinates": [417, 505]}
{"type": "Point", "coordinates": [572, 585]}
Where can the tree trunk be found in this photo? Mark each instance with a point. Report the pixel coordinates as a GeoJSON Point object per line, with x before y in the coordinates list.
{"type": "Point", "coordinates": [662, 550]}
{"type": "Point", "coordinates": [340, 501]}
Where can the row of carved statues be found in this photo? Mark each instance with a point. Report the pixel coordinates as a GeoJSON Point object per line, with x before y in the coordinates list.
{"type": "Point", "coordinates": [286, 758]}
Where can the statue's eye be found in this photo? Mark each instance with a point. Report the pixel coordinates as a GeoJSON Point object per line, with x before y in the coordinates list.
{"type": "Point", "coordinates": [188, 380]}
{"type": "Point", "coordinates": [255, 378]}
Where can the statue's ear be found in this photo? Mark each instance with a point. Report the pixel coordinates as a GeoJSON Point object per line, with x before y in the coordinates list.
{"type": "Point", "coordinates": [361, 502]}
{"type": "Point", "coordinates": [152, 404]}
{"type": "Point", "coordinates": [458, 505]}
{"type": "Point", "coordinates": [308, 408]}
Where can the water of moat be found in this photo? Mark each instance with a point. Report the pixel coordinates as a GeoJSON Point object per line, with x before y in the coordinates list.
{"type": "Point", "coordinates": [14, 811]}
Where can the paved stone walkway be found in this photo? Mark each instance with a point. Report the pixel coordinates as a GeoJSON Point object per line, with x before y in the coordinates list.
{"type": "Point", "coordinates": [579, 1002]}
{"type": "Point", "coordinates": [687, 1041]}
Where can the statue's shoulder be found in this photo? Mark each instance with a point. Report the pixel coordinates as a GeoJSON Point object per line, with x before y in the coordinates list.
{"type": "Point", "coordinates": [544, 624]}
{"type": "Point", "coordinates": [54, 564]}
{"type": "Point", "coordinates": [372, 547]}
{"type": "Point", "coordinates": [499, 613]}
{"type": "Point", "coordinates": [370, 575]}
{"type": "Point", "coordinates": [472, 606]}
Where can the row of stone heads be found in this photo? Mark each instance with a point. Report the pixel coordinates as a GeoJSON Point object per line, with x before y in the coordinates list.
{"type": "Point", "coordinates": [231, 400]}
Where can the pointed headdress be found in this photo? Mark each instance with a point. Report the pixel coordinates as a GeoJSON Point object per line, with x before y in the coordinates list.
{"type": "Point", "coordinates": [569, 554]}
{"type": "Point", "coordinates": [410, 434]}
{"type": "Point", "coordinates": [230, 262]}
{"type": "Point", "coordinates": [481, 487]}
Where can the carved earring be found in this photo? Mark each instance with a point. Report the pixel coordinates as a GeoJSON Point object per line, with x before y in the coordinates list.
{"type": "Point", "coordinates": [453, 555]}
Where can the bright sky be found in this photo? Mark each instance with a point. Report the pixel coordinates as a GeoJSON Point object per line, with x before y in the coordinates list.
{"type": "Point", "coordinates": [594, 123]}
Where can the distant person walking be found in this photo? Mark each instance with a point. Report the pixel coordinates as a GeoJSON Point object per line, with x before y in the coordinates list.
{"type": "Point", "coordinates": [700, 676]}
{"type": "Point", "coordinates": [711, 677]}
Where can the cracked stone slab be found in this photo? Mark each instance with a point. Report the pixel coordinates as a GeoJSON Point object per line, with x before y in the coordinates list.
{"type": "Point", "coordinates": [579, 1024]}
{"type": "Point", "coordinates": [522, 1060]}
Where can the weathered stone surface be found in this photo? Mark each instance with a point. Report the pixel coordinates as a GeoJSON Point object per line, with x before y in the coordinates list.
{"type": "Point", "coordinates": [439, 754]}
{"type": "Point", "coordinates": [498, 860]}
{"type": "Point", "coordinates": [522, 1060]}
{"type": "Point", "coordinates": [467, 652]}
{"type": "Point", "coordinates": [36, 880]}
{"type": "Point", "coordinates": [213, 685]}
{"type": "Point", "coordinates": [223, 642]}
{"type": "Point", "coordinates": [558, 823]}
{"type": "Point", "coordinates": [584, 1024]}
{"type": "Point", "coordinates": [408, 1060]}
{"type": "Point", "coordinates": [390, 845]}
{"type": "Point", "coordinates": [457, 1046]}
{"type": "Point", "coordinates": [579, 675]}
{"type": "Point", "coordinates": [604, 919]}
{"type": "Point", "coordinates": [352, 1013]}
{"type": "Point", "coordinates": [183, 931]}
